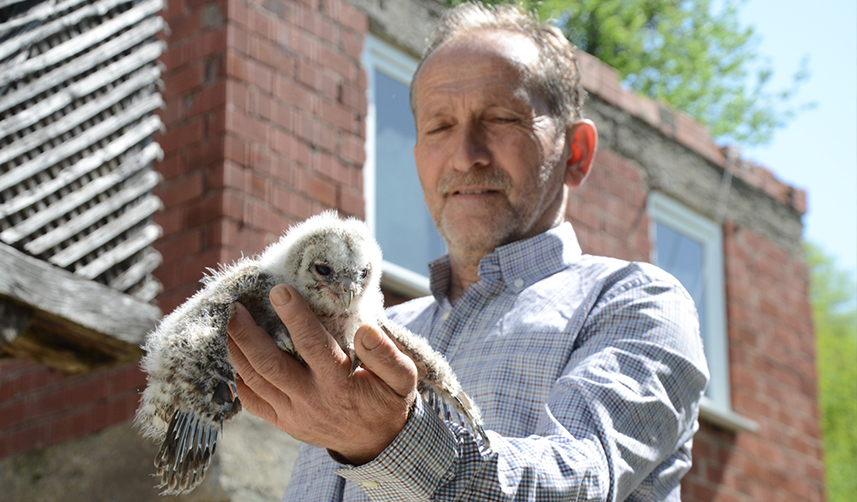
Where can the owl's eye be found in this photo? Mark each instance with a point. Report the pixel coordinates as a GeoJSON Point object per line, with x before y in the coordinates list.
{"type": "Point", "coordinates": [322, 269]}
{"type": "Point", "coordinates": [364, 273]}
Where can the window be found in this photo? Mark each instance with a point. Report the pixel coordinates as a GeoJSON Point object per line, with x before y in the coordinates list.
{"type": "Point", "coordinates": [395, 210]}
{"type": "Point", "coordinates": [690, 247]}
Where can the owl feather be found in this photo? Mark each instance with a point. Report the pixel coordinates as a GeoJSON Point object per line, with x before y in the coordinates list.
{"type": "Point", "coordinates": [335, 265]}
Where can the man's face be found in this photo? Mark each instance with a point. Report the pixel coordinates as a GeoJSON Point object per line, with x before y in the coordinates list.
{"type": "Point", "coordinates": [489, 157]}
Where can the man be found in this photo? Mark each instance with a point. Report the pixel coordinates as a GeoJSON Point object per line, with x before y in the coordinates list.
{"type": "Point", "coordinates": [588, 370]}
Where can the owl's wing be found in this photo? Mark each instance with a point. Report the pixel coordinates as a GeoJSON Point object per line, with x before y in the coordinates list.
{"type": "Point", "coordinates": [436, 377]}
{"type": "Point", "coordinates": [191, 384]}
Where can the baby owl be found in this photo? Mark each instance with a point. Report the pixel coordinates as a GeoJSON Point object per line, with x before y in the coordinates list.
{"type": "Point", "coordinates": [335, 264]}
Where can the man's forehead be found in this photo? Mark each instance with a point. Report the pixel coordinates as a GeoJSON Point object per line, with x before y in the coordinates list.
{"type": "Point", "coordinates": [479, 60]}
{"type": "Point", "coordinates": [483, 44]}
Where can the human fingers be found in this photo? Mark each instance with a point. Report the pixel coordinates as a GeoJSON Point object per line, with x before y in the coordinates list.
{"type": "Point", "coordinates": [381, 356]}
{"type": "Point", "coordinates": [312, 341]}
{"type": "Point", "coordinates": [256, 405]}
{"type": "Point", "coordinates": [256, 357]}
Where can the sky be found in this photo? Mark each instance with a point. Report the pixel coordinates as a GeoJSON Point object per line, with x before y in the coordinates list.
{"type": "Point", "coordinates": [816, 151]}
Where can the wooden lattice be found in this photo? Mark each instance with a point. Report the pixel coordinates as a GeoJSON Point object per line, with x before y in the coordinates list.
{"type": "Point", "coordinates": [78, 92]}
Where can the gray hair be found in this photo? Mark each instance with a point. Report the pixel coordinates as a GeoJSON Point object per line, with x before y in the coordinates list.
{"type": "Point", "coordinates": [556, 75]}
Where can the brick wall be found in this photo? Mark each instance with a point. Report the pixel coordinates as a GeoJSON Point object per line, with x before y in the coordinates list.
{"type": "Point", "coordinates": [609, 210]}
{"type": "Point", "coordinates": [772, 371]}
{"type": "Point", "coordinates": [265, 106]}
{"type": "Point", "coordinates": [40, 406]}
{"type": "Point", "coordinates": [265, 102]}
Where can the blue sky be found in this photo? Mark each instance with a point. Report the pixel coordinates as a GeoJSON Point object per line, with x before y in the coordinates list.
{"type": "Point", "coordinates": [817, 150]}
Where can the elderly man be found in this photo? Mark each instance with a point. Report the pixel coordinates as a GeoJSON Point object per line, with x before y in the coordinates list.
{"type": "Point", "coordinates": [588, 370]}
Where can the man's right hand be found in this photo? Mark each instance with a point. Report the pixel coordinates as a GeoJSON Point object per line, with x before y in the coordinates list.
{"type": "Point", "coordinates": [318, 403]}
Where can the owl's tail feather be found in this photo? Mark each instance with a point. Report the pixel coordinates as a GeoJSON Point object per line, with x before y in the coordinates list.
{"type": "Point", "coordinates": [465, 408]}
{"type": "Point", "coordinates": [471, 412]}
{"type": "Point", "coordinates": [186, 452]}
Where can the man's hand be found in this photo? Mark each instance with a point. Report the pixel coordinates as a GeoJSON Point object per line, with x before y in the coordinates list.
{"type": "Point", "coordinates": [356, 417]}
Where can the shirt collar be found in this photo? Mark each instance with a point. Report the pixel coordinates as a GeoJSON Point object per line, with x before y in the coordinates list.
{"type": "Point", "coordinates": [518, 264]}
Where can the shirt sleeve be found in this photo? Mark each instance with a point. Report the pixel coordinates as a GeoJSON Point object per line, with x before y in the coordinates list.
{"type": "Point", "coordinates": [622, 413]}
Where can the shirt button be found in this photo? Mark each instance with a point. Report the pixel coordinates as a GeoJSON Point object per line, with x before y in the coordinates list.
{"type": "Point", "coordinates": [369, 484]}
{"type": "Point", "coordinates": [518, 283]}
{"type": "Point", "coordinates": [445, 315]}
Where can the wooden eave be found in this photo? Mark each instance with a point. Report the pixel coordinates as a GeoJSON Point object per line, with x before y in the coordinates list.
{"type": "Point", "coordinates": [78, 95]}
{"type": "Point", "coordinates": [65, 321]}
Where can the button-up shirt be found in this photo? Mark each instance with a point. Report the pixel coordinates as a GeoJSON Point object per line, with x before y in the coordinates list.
{"type": "Point", "coordinates": [588, 372]}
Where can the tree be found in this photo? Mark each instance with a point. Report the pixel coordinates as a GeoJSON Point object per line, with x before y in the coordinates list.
{"type": "Point", "coordinates": [684, 53]}
{"type": "Point", "coordinates": [833, 294]}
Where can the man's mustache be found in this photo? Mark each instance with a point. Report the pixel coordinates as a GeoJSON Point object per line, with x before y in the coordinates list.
{"type": "Point", "coordinates": [490, 179]}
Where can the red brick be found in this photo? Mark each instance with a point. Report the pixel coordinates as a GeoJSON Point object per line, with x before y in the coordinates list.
{"type": "Point", "coordinates": [350, 17]}
{"type": "Point", "coordinates": [335, 61]}
{"type": "Point", "coordinates": [352, 150]}
{"type": "Point", "coordinates": [351, 43]}
{"type": "Point", "coordinates": [283, 117]}
{"type": "Point", "coordinates": [262, 106]}
{"type": "Point", "coordinates": [354, 98]}
{"type": "Point", "coordinates": [195, 48]}
{"type": "Point", "coordinates": [184, 79]}
{"type": "Point", "coordinates": [177, 246]}
{"type": "Point", "coordinates": [207, 99]}
{"type": "Point", "coordinates": [185, 26]}
{"type": "Point", "coordinates": [181, 136]}
{"type": "Point", "coordinates": [261, 24]}
{"type": "Point", "coordinates": [228, 233]}
{"type": "Point", "coordinates": [316, 78]}
{"type": "Point", "coordinates": [238, 39]}
{"type": "Point", "coordinates": [338, 115]}
{"type": "Point", "coordinates": [270, 55]}
{"type": "Point", "coordinates": [352, 202]}
{"type": "Point", "coordinates": [264, 218]}
{"type": "Point", "coordinates": [289, 91]}
{"type": "Point", "coordinates": [173, 9]}
{"type": "Point", "coordinates": [202, 155]}
{"type": "Point", "coordinates": [235, 149]}
{"type": "Point", "coordinates": [72, 425]}
{"type": "Point", "coordinates": [182, 190]}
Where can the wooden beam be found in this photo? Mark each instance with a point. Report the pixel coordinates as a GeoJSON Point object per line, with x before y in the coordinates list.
{"type": "Point", "coordinates": [13, 321]}
{"type": "Point", "coordinates": [83, 306]}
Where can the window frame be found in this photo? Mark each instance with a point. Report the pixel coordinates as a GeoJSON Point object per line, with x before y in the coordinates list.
{"type": "Point", "coordinates": [716, 405]}
{"type": "Point", "coordinates": [396, 64]}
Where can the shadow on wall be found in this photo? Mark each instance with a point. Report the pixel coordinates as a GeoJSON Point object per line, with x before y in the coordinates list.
{"type": "Point", "coordinates": [253, 464]}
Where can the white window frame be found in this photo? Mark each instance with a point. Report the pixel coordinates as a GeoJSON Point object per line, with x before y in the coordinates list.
{"type": "Point", "coordinates": [716, 405]}
{"type": "Point", "coordinates": [378, 54]}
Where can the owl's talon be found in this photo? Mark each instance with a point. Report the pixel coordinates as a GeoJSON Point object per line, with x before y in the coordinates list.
{"type": "Point", "coordinates": [355, 362]}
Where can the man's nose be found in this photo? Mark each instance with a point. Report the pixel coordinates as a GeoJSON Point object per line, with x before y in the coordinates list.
{"type": "Point", "coordinates": [471, 148]}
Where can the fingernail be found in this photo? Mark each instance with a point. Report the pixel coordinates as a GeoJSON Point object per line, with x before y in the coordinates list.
{"type": "Point", "coordinates": [280, 296]}
{"type": "Point", "coordinates": [371, 339]}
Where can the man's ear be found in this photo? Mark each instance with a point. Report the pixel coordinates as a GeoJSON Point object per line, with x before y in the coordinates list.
{"type": "Point", "coordinates": [582, 140]}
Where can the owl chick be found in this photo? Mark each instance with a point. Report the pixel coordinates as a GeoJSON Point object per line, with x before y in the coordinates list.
{"type": "Point", "coordinates": [335, 264]}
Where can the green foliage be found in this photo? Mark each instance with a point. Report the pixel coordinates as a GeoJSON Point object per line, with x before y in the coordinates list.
{"type": "Point", "coordinates": [833, 294]}
{"type": "Point", "coordinates": [683, 53]}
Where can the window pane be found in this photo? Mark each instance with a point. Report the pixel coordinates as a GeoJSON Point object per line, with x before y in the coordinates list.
{"type": "Point", "coordinates": [684, 258]}
{"type": "Point", "coordinates": [403, 225]}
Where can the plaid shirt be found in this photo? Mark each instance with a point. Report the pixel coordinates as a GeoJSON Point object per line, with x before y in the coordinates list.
{"type": "Point", "coordinates": [588, 371]}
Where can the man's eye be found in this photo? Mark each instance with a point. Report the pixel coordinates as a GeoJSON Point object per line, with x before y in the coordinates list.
{"type": "Point", "coordinates": [504, 120]}
{"type": "Point", "coordinates": [322, 269]}
{"type": "Point", "coordinates": [437, 128]}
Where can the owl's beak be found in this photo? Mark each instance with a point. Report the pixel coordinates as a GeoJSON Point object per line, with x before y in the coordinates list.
{"type": "Point", "coordinates": [347, 293]}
